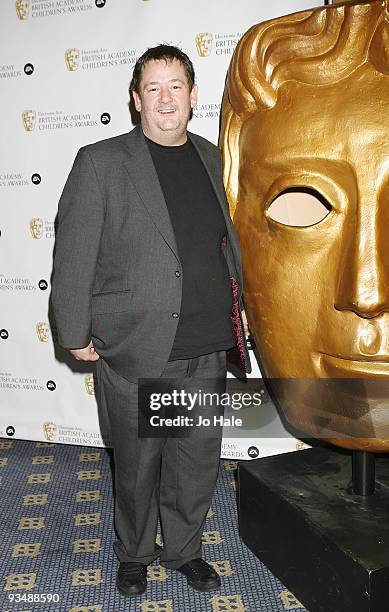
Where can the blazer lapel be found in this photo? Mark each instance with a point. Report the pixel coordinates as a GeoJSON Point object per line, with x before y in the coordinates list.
{"type": "Point", "coordinates": [141, 169]}
{"type": "Point", "coordinates": [213, 170]}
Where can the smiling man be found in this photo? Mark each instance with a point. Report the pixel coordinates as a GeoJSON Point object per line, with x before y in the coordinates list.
{"type": "Point", "coordinates": [147, 283]}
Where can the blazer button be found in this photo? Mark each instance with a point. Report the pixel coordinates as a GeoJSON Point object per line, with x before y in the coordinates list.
{"type": "Point", "coordinates": [177, 273]}
{"type": "Point", "coordinates": [175, 315]}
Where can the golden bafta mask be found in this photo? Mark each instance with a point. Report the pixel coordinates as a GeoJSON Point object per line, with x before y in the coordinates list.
{"type": "Point", "coordinates": [36, 228]}
{"type": "Point", "coordinates": [305, 126]}
{"type": "Point", "coordinates": [22, 9]}
{"type": "Point", "coordinates": [43, 332]}
{"type": "Point", "coordinates": [72, 58]}
{"type": "Point", "coordinates": [29, 117]}
{"type": "Point", "coordinates": [89, 384]}
{"type": "Point", "coordinates": [50, 431]}
{"type": "Point", "coordinates": [204, 42]}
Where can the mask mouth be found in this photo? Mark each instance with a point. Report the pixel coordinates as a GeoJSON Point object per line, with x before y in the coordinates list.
{"type": "Point", "coordinates": [356, 366]}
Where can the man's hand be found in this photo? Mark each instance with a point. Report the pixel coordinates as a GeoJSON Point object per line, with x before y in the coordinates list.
{"type": "Point", "coordinates": [85, 354]}
{"type": "Point", "coordinates": [245, 324]}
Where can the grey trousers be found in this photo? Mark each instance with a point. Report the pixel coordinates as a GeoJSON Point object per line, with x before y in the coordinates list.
{"type": "Point", "coordinates": [170, 478]}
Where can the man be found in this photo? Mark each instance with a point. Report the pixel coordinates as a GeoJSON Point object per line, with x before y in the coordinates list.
{"type": "Point", "coordinates": [146, 276]}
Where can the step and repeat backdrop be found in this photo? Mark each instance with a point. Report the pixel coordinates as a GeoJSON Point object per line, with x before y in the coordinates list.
{"type": "Point", "coordinates": [65, 68]}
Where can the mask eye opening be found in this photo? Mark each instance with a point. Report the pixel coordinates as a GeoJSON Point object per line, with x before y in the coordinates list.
{"type": "Point", "coordinates": [310, 191]}
{"type": "Point", "coordinates": [309, 209]}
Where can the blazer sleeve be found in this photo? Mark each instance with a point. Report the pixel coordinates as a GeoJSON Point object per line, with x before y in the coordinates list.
{"type": "Point", "coordinates": [80, 221]}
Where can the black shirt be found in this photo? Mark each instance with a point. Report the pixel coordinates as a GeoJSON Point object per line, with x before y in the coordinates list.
{"type": "Point", "coordinates": [204, 324]}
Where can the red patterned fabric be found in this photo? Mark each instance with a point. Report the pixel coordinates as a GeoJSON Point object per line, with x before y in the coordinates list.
{"type": "Point", "coordinates": [236, 355]}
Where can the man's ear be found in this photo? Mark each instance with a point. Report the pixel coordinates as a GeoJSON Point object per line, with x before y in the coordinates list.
{"type": "Point", "coordinates": [137, 101]}
{"type": "Point", "coordinates": [193, 96]}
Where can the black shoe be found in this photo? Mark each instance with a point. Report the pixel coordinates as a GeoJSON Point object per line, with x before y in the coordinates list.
{"type": "Point", "coordinates": [200, 575]}
{"type": "Point", "coordinates": [131, 578]}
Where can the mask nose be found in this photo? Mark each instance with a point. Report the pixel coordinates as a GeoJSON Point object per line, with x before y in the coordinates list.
{"type": "Point", "coordinates": [363, 283]}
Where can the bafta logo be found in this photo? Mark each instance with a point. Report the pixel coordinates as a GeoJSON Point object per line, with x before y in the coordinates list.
{"type": "Point", "coordinates": [72, 59]}
{"type": "Point", "coordinates": [204, 42]}
{"type": "Point", "coordinates": [49, 431]}
{"type": "Point", "coordinates": [89, 384]}
{"type": "Point", "coordinates": [22, 9]}
{"type": "Point", "coordinates": [36, 228]}
{"type": "Point", "coordinates": [29, 117]}
{"type": "Point", "coordinates": [43, 332]}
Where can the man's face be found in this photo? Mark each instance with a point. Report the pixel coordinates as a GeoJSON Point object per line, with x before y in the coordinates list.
{"type": "Point", "coordinates": [165, 101]}
{"type": "Point", "coordinates": [318, 295]}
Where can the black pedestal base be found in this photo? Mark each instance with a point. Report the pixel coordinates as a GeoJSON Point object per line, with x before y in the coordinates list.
{"type": "Point", "coordinates": [330, 547]}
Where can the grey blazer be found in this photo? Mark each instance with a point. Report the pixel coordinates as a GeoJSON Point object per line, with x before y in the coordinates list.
{"type": "Point", "coordinates": [115, 277]}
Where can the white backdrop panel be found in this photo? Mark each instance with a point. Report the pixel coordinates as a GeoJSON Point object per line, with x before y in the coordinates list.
{"type": "Point", "coordinates": [65, 68]}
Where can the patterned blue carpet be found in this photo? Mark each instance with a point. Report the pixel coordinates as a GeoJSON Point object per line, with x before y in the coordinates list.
{"type": "Point", "coordinates": [56, 533]}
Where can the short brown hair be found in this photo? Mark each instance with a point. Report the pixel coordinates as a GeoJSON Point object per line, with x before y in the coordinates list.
{"type": "Point", "coordinates": [162, 52]}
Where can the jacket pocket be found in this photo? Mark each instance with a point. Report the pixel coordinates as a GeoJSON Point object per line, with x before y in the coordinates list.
{"type": "Point", "coordinates": [112, 301]}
